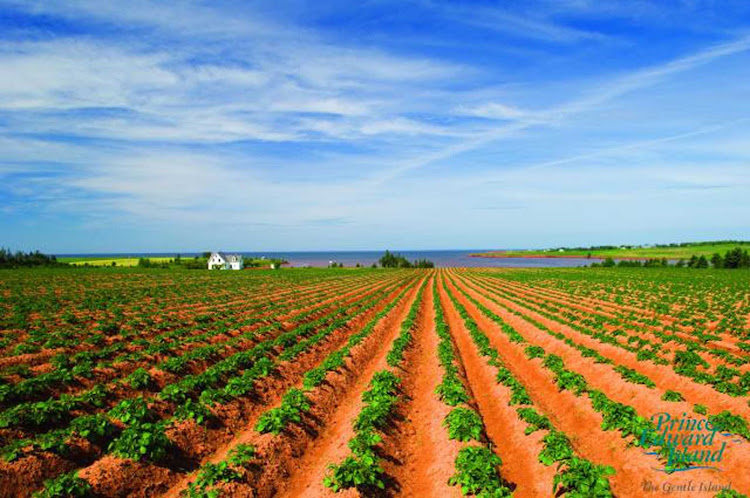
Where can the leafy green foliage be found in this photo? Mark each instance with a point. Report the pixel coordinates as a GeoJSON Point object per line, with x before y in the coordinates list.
{"type": "Point", "coordinates": [728, 422]}
{"type": "Point", "coordinates": [275, 420]}
{"type": "Point", "coordinates": [396, 353]}
{"type": "Point", "coordinates": [631, 375]}
{"type": "Point", "coordinates": [673, 396]}
{"type": "Point", "coordinates": [580, 478]}
{"type": "Point", "coordinates": [241, 454]}
{"type": "Point", "coordinates": [452, 391]}
{"type": "Point", "coordinates": [534, 352]}
{"type": "Point", "coordinates": [140, 379]}
{"type": "Point", "coordinates": [65, 486]}
{"type": "Point", "coordinates": [142, 441]}
{"type": "Point", "coordinates": [618, 416]}
{"type": "Point", "coordinates": [364, 441]}
{"type": "Point", "coordinates": [556, 448]}
{"type": "Point", "coordinates": [535, 420]}
{"type": "Point", "coordinates": [356, 471]}
{"type": "Point", "coordinates": [95, 428]}
{"type": "Point", "coordinates": [209, 475]}
{"type": "Point", "coordinates": [193, 410]}
{"type": "Point", "coordinates": [379, 399]}
{"type": "Point", "coordinates": [729, 493]}
{"type": "Point", "coordinates": [463, 424]}
{"type": "Point", "coordinates": [476, 473]}
{"type": "Point", "coordinates": [132, 411]}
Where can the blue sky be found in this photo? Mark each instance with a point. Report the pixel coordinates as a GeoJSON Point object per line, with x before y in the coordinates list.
{"type": "Point", "coordinates": [291, 125]}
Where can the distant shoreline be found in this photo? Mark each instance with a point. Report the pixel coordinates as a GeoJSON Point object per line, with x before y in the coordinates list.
{"type": "Point", "coordinates": [674, 252]}
{"type": "Point", "coordinates": [553, 256]}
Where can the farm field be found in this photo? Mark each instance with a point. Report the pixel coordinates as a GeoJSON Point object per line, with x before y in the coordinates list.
{"type": "Point", "coordinates": [104, 261]}
{"type": "Point", "coordinates": [372, 382]}
{"type": "Point", "coordinates": [657, 252]}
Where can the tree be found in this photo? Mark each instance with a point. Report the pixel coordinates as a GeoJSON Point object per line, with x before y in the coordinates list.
{"type": "Point", "coordinates": [608, 263]}
{"type": "Point", "coordinates": [702, 262]}
{"type": "Point", "coordinates": [393, 260]}
{"type": "Point", "coordinates": [717, 261]}
{"type": "Point", "coordinates": [19, 259]}
{"type": "Point", "coordinates": [424, 263]}
{"type": "Point", "coordinates": [732, 258]}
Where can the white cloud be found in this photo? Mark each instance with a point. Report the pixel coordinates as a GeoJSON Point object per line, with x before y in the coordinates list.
{"type": "Point", "coordinates": [495, 110]}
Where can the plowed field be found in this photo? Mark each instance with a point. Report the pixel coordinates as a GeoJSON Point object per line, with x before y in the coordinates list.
{"type": "Point", "coordinates": [451, 382]}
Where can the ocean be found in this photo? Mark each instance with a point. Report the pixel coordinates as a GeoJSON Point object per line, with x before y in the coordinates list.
{"type": "Point", "coordinates": [441, 258]}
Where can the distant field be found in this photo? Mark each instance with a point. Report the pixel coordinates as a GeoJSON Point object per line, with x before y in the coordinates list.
{"type": "Point", "coordinates": [635, 253]}
{"type": "Point", "coordinates": [107, 261]}
{"type": "Point", "coordinates": [104, 261]}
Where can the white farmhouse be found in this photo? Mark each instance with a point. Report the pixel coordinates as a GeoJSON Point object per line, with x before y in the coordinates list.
{"type": "Point", "coordinates": [225, 261]}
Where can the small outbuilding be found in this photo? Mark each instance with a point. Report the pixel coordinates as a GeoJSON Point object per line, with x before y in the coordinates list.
{"type": "Point", "coordinates": [225, 261]}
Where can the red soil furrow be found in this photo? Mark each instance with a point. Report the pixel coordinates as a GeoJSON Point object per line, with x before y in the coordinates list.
{"type": "Point", "coordinates": [647, 402]}
{"type": "Point", "coordinates": [575, 416]}
{"type": "Point", "coordinates": [594, 301]}
{"type": "Point", "coordinates": [728, 343]}
{"type": "Point", "coordinates": [645, 333]}
{"type": "Point", "coordinates": [112, 477]}
{"type": "Point", "coordinates": [505, 430]}
{"type": "Point", "coordinates": [663, 376]}
{"type": "Point", "coordinates": [426, 454]}
{"type": "Point", "coordinates": [288, 297]}
{"type": "Point", "coordinates": [296, 459]}
{"type": "Point", "coordinates": [216, 308]}
{"type": "Point", "coordinates": [306, 476]}
{"type": "Point", "coordinates": [644, 300]}
{"type": "Point", "coordinates": [123, 369]}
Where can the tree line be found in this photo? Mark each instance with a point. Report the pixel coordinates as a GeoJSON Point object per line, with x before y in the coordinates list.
{"type": "Point", "coordinates": [732, 259]}
{"type": "Point", "coordinates": [395, 260]}
{"type": "Point", "coordinates": [20, 259]}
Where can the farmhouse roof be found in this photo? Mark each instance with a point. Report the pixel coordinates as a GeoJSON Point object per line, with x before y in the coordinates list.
{"type": "Point", "coordinates": [226, 256]}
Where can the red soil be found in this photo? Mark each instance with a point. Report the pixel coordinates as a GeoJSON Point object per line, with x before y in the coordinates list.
{"type": "Point", "coordinates": [581, 423]}
{"type": "Point", "coordinates": [420, 442]}
{"type": "Point", "coordinates": [519, 453]}
{"type": "Point", "coordinates": [663, 376]}
{"type": "Point", "coordinates": [330, 446]}
{"type": "Point", "coordinates": [195, 444]}
{"type": "Point", "coordinates": [418, 456]}
{"type": "Point", "coordinates": [727, 343]}
{"type": "Point", "coordinates": [646, 402]}
{"type": "Point", "coordinates": [285, 454]}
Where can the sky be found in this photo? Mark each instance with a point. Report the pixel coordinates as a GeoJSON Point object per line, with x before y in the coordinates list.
{"type": "Point", "coordinates": [295, 125]}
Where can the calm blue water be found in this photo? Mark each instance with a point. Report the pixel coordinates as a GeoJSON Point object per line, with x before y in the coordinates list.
{"type": "Point", "coordinates": [446, 258]}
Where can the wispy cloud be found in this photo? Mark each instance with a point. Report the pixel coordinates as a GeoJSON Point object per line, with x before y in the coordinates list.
{"type": "Point", "coordinates": [533, 23]}
{"type": "Point", "coordinates": [594, 98]}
